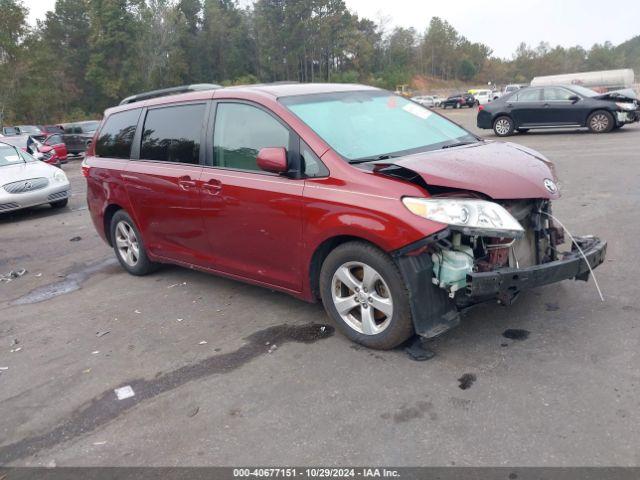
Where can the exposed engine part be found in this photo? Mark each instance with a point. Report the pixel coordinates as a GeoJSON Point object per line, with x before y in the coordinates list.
{"type": "Point", "coordinates": [453, 260]}
{"type": "Point", "coordinates": [451, 266]}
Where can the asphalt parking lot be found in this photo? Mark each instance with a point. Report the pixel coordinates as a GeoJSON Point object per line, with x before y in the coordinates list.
{"type": "Point", "coordinates": [269, 388]}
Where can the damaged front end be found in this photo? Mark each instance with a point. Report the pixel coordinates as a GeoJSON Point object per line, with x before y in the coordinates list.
{"type": "Point", "coordinates": [471, 266]}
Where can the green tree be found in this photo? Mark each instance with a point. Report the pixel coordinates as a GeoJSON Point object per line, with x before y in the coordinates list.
{"type": "Point", "coordinates": [114, 44]}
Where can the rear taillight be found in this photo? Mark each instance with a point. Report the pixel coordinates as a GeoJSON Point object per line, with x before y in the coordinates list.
{"type": "Point", "coordinates": [85, 169]}
{"type": "Point", "coordinates": [480, 107]}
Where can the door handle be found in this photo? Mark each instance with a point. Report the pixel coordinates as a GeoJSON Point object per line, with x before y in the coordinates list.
{"type": "Point", "coordinates": [212, 187]}
{"type": "Point", "coordinates": [546, 105]}
{"type": "Point", "coordinates": [186, 183]}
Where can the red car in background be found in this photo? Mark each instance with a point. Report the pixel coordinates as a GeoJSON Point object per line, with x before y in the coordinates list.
{"type": "Point", "coordinates": [54, 152]}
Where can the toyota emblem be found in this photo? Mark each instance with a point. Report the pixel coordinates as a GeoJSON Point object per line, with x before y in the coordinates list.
{"type": "Point", "coordinates": [550, 185]}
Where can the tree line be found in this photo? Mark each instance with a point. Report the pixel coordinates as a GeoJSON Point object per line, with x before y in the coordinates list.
{"type": "Point", "coordinates": [86, 55]}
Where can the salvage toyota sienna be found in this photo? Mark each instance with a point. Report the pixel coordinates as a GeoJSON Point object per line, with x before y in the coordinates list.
{"type": "Point", "coordinates": [391, 215]}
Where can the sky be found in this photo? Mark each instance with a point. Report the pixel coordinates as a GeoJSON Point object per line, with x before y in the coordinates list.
{"type": "Point", "coordinates": [501, 25]}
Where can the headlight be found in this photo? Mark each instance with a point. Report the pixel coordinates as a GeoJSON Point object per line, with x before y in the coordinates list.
{"type": "Point", "coordinates": [625, 106]}
{"type": "Point", "coordinates": [471, 216]}
{"type": "Point", "coordinates": [59, 176]}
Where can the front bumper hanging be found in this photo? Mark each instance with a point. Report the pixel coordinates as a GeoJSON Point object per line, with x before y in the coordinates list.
{"type": "Point", "coordinates": [505, 283]}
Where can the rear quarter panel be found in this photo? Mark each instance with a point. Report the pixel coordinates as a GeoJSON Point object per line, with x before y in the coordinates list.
{"type": "Point", "coordinates": [105, 186]}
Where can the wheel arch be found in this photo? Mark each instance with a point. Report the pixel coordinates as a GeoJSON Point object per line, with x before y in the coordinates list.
{"type": "Point", "coordinates": [320, 254]}
{"type": "Point", "coordinates": [109, 212]}
{"type": "Point", "coordinates": [597, 109]}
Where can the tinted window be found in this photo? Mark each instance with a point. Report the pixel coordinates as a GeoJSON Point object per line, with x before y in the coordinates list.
{"type": "Point", "coordinates": [527, 95]}
{"type": "Point", "coordinates": [172, 134]}
{"type": "Point", "coordinates": [68, 129]}
{"type": "Point", "coordinates": [241, 131]}
{"type": "Point", "coordinates": [117, 134]}
{"type": "Point", "coordinates": [312, 166]}
{"type": "Point", "coordinates": [557, 94]}
{"type": "Point", "coordinates": [89, 127]}
{"type": "Point", "coordinates": [54, 140]}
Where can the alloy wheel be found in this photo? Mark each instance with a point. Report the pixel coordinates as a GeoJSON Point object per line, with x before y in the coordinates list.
{"type": "Point", "coordinates": [362, 298]}
{"type": "Point", "coordinates": [127, 243]}
{"type": "Point", "coordinates": [503, 126]}
{"type": "Point", "coordinates": [599, 122]}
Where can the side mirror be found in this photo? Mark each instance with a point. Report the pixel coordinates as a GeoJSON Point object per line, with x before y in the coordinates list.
{"type": "Point", "coordinates": [574, 98]}
{"type": "Point", "coordinates": [273, 159]}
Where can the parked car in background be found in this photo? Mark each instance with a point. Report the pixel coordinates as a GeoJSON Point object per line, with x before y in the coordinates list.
{"type": "Point", "coordinates": [9, 131]}
{"type": "Point", "coordinates": [429, 101]}
{"type": "Point", "coordinates": [511, 88]}
{"type": "Point", "coordinates": [482, 97]}
{"type": "Point", "coordinates": [79, 135]}
{"type": "Point", "coordinates": [56, 142]}
{"type": "Point", "coordinates": [392, 215]}
{"type": "Point", "coordinates": [26, 182]}
{"type": "Point", "coordinates": [28, 130]}
{"type": "Point", "coordinates": [559, 107]}
{"type": "Point", "coordinates": [459, 100]}
{"type": "Point", "coordinates": [51, 129]}
{"type": "Point", "coordinates": [34, 146]}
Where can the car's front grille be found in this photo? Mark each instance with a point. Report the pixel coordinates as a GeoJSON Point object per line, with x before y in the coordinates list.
{"type": "Point", "coordinates": [29, 185]}
{"type": "Point", "coordinates": [8, 206]}
{"type": "Point", "coordinates": [59, 195]}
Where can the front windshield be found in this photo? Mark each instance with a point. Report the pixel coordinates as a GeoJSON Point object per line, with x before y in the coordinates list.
{"type": "Point", "coordinates": [584, 91]}
{"type": "Point", "coordinates": [10, 156]}
{"type": "Point", "coordinates": [366, 125]}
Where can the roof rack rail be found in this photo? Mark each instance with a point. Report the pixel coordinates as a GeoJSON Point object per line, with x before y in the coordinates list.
{"type": "Point", "coordinates": [170, 91]}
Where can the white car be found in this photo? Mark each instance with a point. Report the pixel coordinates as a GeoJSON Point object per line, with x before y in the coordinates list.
{"type": "Point", "coordinates": [427, 100]}
{"type": "Point", "coordinates": [483, 96]}
{"type": "Point", "coordinates": [27, 182]}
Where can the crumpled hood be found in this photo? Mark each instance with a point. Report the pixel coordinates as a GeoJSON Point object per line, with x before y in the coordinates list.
{"type": "Point", "coordinates": [626, 94]}
{"type": "Point", "coordinates": [498, 170]}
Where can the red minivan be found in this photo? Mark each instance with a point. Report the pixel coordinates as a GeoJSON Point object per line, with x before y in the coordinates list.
{"type": "Point", "coordinates": [393, 216]}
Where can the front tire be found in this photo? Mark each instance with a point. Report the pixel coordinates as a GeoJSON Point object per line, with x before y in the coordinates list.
{"type": "Point", "coordinates": [363, 292]}
{"type": "Point", "coordinates": [600, 121]}
{"type": "Point", "coordinates": [503, 126]}
{"type": "Point", "coordinates": [128, 246]}
{"type": "Point", "coordinates": [60, 203]}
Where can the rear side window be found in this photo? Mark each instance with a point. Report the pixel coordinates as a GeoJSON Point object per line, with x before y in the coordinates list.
{"type": "Point", "coordinates": [554, 94]}
{"type": "Point", "coordinates": [172, 134]}
{"type": "Point", "coordinates": [241, 131]}
{"type": "Point", "coordinates": [54, 140]}
{"type": "Point", "coordinates": [528, 95]}
{"type": "Point", "coordinates": [116, 135]}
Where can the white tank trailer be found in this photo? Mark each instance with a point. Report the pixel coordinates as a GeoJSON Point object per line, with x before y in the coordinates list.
{"type": "Point", "coordinates": [602, 80]}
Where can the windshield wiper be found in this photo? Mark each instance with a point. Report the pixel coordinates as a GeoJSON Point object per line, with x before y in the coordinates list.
{"type": "Point", "coordinates": [372, 159]}
{"type": "Point", "coordinates": [450, 145]}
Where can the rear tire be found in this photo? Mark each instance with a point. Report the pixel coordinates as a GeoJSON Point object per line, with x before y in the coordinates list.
{"type": "Point", "coordinates": [600, 121]}
{"type": "Point", "coordinates": [503, 126]}
{"type": "Point", "coordinates": [128, 246]}
{"type": "Point", "coordinates": [60, 203]}
{"type": "Point", "coordinates": [366, 285]}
